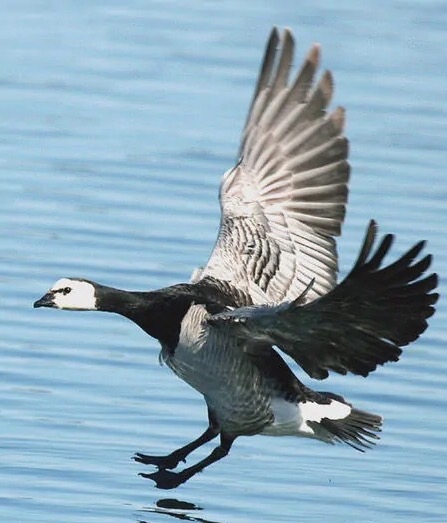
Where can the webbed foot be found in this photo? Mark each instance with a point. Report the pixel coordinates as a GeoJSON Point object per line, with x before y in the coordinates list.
{"type": "Point", "coordinates": [165, 479]}
{"type": "Point", "coordinates": [162, 462]}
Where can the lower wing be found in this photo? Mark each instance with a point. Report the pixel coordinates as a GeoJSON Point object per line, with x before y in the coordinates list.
{"type": "Point", "coordinates": [359, 324]}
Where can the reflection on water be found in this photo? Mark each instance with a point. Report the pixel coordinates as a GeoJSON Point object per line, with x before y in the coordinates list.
{"type": "Point", "coordinates": [177, 509]}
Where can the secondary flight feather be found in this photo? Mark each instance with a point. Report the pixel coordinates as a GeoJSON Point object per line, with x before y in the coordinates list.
{"type": "Point", "coordinates": [285, 200]}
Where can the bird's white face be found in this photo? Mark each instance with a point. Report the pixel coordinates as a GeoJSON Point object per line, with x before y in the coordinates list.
{"type": "Point", "coordinates": [70, 294]}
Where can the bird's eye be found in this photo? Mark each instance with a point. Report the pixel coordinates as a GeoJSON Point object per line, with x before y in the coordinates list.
{"type": "Point", "coordinates": [66, 290]}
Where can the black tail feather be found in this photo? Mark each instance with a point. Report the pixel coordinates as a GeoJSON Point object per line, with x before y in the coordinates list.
{"type": "Point", "coordinates": [359, 430]}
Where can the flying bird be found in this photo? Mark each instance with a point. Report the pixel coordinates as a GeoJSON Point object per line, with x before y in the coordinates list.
{"type": "Point", "coordinates": [269, 287]}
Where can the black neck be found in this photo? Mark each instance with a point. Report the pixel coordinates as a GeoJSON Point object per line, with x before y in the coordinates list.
{"type": "Point", "coordinates": [160, 313]}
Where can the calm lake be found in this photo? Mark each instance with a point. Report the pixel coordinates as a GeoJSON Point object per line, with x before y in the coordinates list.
{"type": "Point", "coordinates": [118, 120]}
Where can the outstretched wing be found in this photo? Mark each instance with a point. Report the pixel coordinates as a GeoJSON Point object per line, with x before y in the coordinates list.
{"type": "Point", "coordinates": [285, 201]}
{"type": "Point", "coordinates": [358, 325]}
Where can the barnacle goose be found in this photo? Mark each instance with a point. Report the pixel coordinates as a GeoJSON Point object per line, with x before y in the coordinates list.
{"type": "Point", "coordinates": [270, 283]}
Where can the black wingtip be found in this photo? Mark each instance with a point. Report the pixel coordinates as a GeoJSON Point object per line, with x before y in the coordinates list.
{"type": "Point", "coordinates": [272, 42]}
{"type": "Point", "coordinates": [368, 242]}
{"type": "Point", "coordinates": [289, 39]}
{"type": "Point", "coordinates": [379, 307]}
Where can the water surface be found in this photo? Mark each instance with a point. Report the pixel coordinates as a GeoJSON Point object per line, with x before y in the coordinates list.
{"type": "Point", "coordinates": [118, 120]}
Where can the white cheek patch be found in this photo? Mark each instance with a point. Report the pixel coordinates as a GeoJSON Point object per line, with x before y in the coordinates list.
{"type": "Point", "coordinates": [81, 295]}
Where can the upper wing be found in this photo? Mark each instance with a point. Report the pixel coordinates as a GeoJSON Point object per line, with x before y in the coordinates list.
{"type": "Point", "coordinates": [358, 325]}
{"type": "Point", "coordinates": [285, 201]}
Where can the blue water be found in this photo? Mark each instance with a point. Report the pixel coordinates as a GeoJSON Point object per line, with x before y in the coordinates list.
{"type": "Point", "coordinates": [117, 122]}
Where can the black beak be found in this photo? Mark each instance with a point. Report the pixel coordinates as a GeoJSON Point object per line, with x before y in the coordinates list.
{"type": "Point", "coordinates": [45, 301]}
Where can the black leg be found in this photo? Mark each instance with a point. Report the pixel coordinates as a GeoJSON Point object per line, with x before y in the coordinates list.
{"type": "Point", "coordinates": [165, 479]}
{"type": "Point", "coordinates": [172, 460]}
